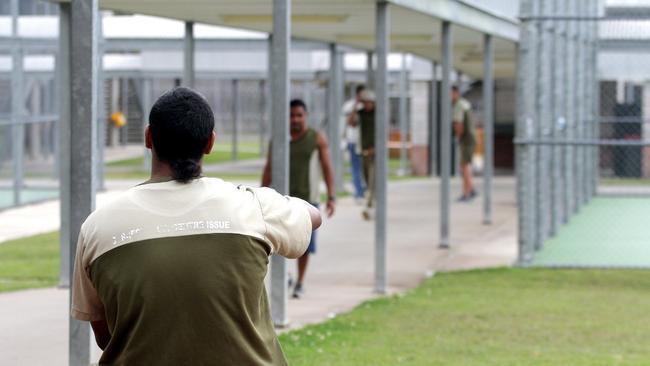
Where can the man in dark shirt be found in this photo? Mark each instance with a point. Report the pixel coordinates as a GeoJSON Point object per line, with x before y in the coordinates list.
{"type": "Point", "coordinates": [365, 118]}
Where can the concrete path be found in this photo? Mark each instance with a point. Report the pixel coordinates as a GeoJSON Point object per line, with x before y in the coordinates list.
{"type": "Point", "coordinates": [33, 324]}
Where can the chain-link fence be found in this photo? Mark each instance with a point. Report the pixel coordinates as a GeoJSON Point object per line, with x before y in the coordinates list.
{"type": "Point", "coordinates": [583, 137]}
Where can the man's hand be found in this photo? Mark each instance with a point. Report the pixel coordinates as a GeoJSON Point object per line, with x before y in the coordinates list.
{"type": "Point", "coordinates": [331, 207]}
{"type": "Point", "coordinates": [368, 152]}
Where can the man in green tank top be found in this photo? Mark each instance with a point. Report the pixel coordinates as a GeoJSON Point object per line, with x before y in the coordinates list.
{"type": "Point", "coordinates": [306, 144]}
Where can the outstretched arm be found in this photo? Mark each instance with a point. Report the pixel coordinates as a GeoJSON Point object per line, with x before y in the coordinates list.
{"type": "Point", "coordinates": [328, 172]}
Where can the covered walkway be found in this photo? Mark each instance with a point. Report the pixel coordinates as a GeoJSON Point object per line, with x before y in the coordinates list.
{"type": "Point", "coordinates": [457, 35]}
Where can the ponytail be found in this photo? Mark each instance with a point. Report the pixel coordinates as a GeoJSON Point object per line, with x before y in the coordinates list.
{"type": "Point", "coordinates": [184, 170]}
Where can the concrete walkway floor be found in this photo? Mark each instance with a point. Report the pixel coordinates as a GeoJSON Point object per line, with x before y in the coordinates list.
{"type": "Point", "coordinates": [33, 323]}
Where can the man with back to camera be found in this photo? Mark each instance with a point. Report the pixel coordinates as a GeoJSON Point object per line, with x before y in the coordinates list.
{"type": "Point", "coordinates": [172, 272]}
{"type": "Point", "coordinates": [465, 132]}
{"type": "Point", "coordinates": [305, 144]}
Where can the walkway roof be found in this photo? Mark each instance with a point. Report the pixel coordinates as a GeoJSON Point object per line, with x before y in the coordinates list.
{"type": "Point", "coordinates": [415, 24]}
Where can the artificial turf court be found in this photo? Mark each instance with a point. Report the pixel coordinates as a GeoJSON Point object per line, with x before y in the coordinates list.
{"type": "Point", "coordinates": [28, 195]}
{"type": "Point", "coordinates": [607, 232]}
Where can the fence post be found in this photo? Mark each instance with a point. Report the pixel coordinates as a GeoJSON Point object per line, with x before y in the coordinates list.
{"type": "Point", "coordinates": [488, 126]}
{"type": "Point", "coordinates": [445, 134]}
{"type": "Point", "coordinates": [83, 139]}
{"type": "Point", "coordinates": [595, 108]}
{"type": "Point", "coordinates": [17, 108]}
{"type": "Point", "coordinates": [381, 138]}
{"type": "Point", "coordinates": [433, 121]}
{"type": "Point", "coordinates": [526, 59]}
{"type": "Point", "coordinates": [557, 122]}
{"type": "Point", "coordinates": [188, 56]}
{"type": "Point", "coordinates": [279, 84]}
{"type": "Point", "coordinates": [541, 127]}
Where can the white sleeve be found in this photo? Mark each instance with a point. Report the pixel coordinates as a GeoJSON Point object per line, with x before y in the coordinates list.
{"type": "Point", "coordinates": [287, 221]}
{"type": "Point", "coordinates": [86, 304]}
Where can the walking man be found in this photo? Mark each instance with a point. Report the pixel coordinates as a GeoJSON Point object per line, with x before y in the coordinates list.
{"type": "Point", "coordinates": [465, 132]}
{"type": "Point", "coordinates": [306, 144]}
{"type": "Point", "coordinates": [365, 119]}
{"type": "Point", "coordinates": [351, 107]}
{"type": "Point", "coordinates": [172, 272]}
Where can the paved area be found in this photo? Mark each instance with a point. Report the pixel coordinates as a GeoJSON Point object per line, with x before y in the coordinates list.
{"type": "Point", "coordinates": [340, 274]}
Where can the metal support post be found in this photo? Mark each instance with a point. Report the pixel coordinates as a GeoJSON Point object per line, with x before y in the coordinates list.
{"type": "Point", "coordinates": [124, 101]}
{"type": "Point", "coordinates": [64, 149]}
{"type": "Point", "coordinates": [542, 127]}
{"type": "Point", "coordinates": [236, 119]}
{"type": "Point", "coordinates": [370, 72]}
{"type": "Point", "coordinates": [101, 107]}
{"type": "Point", "coordinates": [526, 55]}
{"type": "Point", "coordinates": [587, 100]}
{"type": "Point", "coordinates": [578, 111]}
{"type": "Point", "coordinates": [189, 49]}
{"type": "Point", "coordinates": [445, 135]}
{"type": "Point", "coordinates": [147, 103]}
{"type": "Point", "coordinates": [569, 129]}
{"type": "Point", "coordinates": [558, 121]}
{"type": "Point", "coordinates": [382, 32]}
{"type": "Point", "coordinates": [595, 107]}
{"type": "Point", "coordinates": [433, 121]}
{"type": "Point", "coordinates": [279, 83]}
{"type": "Point", "coordinates": [334, 101]}
{"type": "Point", "coordinates": [403, 117]}
{"type": "Point", "coordinates": [83, 137]}
{"type": "Point", "coordinates": [17, 108]}
{"type": "Point", "coordinates": [488, 126]}
{"type": "Point", "coordinates": [264, 115]}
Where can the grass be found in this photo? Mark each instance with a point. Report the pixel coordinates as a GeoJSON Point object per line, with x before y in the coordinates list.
{"type": "Point", "coordinates": [31, 262]}
{"type": "Point", "coordinates": [625, 181]}
{"type": "Point", "coordinates": [483, 317]}
{"type": "Point", "coordinates": [143, 176]}
{"type": "Point", "coordinates": [220, 154]}
{"type": "Point", "coordinates": [491, 317]}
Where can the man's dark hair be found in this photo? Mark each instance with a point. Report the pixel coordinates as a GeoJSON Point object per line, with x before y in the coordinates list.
{"type": "Point", "coordinates": [181, 124]}
{"type": "Point", "coordinates": [359, 89]}
{"type": "Point", "coordinates": [298, 103]}
{"type": "Point", "coordinates": [455, 88]}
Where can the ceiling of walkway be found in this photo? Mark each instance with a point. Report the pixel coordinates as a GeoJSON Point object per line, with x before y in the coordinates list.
{"type": "Point", "coordinates": [415, 25]}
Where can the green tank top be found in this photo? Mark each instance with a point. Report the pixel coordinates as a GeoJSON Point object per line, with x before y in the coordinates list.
{"type": "Point", "coordinates": [300, 153]}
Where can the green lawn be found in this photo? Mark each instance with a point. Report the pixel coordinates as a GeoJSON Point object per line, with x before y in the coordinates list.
{"type": "Point", "coordinates": [30, 262]}
{"type": "Point", "coordinates": [143, 176]}
{"type": "Point", "coordinates": [483, 317]}
{"type": "Point", "coordinates": [625, 181]}
{"type": "Point", "coordinates": [492, 317]}
{"type": "Point", "coordinates": [220, 154]}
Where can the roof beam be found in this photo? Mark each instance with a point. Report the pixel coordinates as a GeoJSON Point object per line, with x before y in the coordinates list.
{"type": "Point", "coordinates": [460, 13]}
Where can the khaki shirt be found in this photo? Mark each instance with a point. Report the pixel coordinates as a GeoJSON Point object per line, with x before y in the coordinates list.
{"type": "Point", "coordinates": [462, 110]}
{"type": "Point", "coordinates": [177, 272]}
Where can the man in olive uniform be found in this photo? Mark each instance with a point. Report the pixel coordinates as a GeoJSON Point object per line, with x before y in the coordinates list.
{"type": "Point", "coordinates": [305, 144]}
{"type": "Point", "coordinates": [365, 119]}
{"type": "Point", "coordinates": [172, 271]}
{"type": "Point", "coordinates": [466, 135]}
